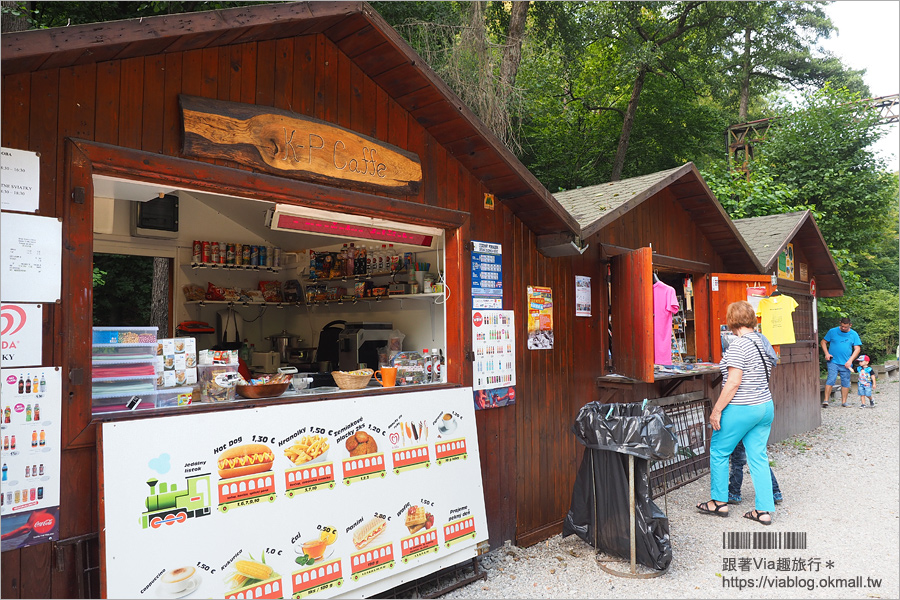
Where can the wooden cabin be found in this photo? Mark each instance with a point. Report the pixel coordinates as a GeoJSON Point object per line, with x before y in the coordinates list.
{"type": "Point", "coordinates": [790, 248]}
{"type": "Point", "coordinates": [101, 105]}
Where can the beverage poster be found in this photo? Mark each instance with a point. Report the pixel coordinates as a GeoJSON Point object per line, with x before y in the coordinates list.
{"type": "Point", "coordinates": [21, 335]}
{"type": "Point", "coordinates": [494, 368]}
{"type": "Point", "coordinates": [346, 497]}
{"type": "Point", "coordinates": [31, 431]}
{"type": "Point", "coordinates": [540, 318]}
{"type": "Point", "coordinates": [30, 258]}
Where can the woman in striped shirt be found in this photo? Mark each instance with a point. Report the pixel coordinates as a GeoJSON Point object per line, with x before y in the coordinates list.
{"type": "Point", "coordinates": [743, 412]}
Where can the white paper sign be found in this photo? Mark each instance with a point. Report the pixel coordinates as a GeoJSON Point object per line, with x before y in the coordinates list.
{"type": "Point", "coordinates": [20, 177]}
{"type": "Point", "coordinates": [21, 335]}
{"type": "Point", "coordinates": [189, 506]}
{"type": "Point", "coordinates": [582, 296]}
{"type": "Point", "coordinates": [494, 346]}
{"type": "Point", "coordinates": [30, 264]}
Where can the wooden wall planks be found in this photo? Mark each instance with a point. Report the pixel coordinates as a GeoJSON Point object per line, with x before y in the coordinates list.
{"type": "Point", "coordinates": [529, 456]}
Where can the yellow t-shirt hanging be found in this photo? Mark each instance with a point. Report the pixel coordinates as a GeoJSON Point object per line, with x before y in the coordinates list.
{"type": "Point", "coordinates": [777, 322]}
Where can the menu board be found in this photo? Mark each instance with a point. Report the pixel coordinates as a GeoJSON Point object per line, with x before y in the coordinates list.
{"type": "Point", "coordinates": [350, 496]}
{"type": "Point", "coordinates": [31, 427]}
{"type": "Point", "coordinates": [487, 276]}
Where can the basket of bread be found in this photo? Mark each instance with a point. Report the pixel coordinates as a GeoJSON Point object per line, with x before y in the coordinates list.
{"type": "Point", "coordinates": [264, 387]}
{"type": "Point", "coordinates": [352, 380]}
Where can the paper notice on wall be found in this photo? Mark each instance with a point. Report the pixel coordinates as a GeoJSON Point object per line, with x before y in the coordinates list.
{"type": "Point", "coordinates": [30, 258]}
{"type": "Point", "coordinates": [582, 296]}
{"type": "Point", "coordinates": [540, 318]}
{"type": "Point", "coordinates": [754, 295]}
{"type": "Point", "coordinates": [20, 179]}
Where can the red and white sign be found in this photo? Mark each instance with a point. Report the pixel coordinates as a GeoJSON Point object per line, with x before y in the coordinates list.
{"type": "Point", "coordinates": [21, 335]}
{"type": "Point", "coordinates": [812, 286]}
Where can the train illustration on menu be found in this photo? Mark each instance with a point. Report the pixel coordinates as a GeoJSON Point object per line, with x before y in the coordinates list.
{"type": "Point", "coordinates": [448, 450]}
{"type": "Point", "coordinates": [167, 505]}
{"type": "Point", "coordinates": [246, 476]}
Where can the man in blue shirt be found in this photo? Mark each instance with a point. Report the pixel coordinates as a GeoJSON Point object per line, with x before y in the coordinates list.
{"type": "Point", "coordinates": [841, 346]}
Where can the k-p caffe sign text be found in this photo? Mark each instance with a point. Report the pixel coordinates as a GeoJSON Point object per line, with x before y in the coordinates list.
{"type": "Point", "coordinates": [293, 145]}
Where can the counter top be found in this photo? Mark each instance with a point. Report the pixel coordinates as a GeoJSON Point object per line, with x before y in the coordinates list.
{"type": "Point", "coordinates": [289, 397]}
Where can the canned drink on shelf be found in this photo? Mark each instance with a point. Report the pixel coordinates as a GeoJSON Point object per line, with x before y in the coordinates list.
{"type": "Point", "coordinates": [229, 254]}
{"type": "Point", "coordinates": [254, 256]}
{"type": "Point", "coordinates": [246, 252]}
{"type": "Point", "coordinates": [238, 254]}
{"type": "Point", "coordinates": [196, 253]}
{"type": "Point", "coordinates": [223, 250]}
{"type": "Point", "coordinates": [214, 252]}
{"type": "Point", "coordinates": [262, 256]}
{"type": "Point", "coordinates": [276, 257]}
{"type": "Point", "coordinates": [205, 252]}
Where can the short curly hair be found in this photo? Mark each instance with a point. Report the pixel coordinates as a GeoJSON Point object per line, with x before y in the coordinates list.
{"type": "Point", "coordinates": [740, 314]}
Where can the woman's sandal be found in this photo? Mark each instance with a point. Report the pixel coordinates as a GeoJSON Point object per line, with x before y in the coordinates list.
{"type": "Point", "coordinates": [754, 515]}
{"type": "Point", "coordinates": [704, 508]}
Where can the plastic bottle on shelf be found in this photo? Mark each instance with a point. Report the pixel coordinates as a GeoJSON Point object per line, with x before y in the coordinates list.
{"type": "Point", "coordinates": [435, 366]}
{"type": "Point", "coordinates": [350, 265]}
{"type": "Point", "coordinates": [395, 258]}
{"type": "Point", "coordinates": [429, 372]}
{"type": "Point", "coordinates": [370, 256]}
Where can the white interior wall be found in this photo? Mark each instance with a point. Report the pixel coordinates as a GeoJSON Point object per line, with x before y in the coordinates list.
{"type": "Point", "coordinates": [420, 319]}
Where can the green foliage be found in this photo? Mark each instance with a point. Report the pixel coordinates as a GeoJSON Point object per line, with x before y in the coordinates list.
{"type": "Point", "coordinates": [824, 152]}
{"type": "Point", "coordinates": [755, 196]}
{"type": "Point", "coordinates": [99, 277]}
{"type": "Point", "coordinates": [125, 297]}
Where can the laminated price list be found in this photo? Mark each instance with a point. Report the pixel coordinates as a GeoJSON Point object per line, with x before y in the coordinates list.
{"type": "Point", "coordinates": [494, 346]}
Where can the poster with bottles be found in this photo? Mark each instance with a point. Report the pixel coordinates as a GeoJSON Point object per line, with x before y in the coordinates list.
{"type": "Point", "coordinates": [494, 367]}
{"type": "Point", "coordinates": [31, 430]}
{"type": "Point", "coordinates": [346, 497]}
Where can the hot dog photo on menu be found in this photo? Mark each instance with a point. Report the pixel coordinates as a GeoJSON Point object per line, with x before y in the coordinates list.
{"type": "Point", "coordinates": [245, 460]}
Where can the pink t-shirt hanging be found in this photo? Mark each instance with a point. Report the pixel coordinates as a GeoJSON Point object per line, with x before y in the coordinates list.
{"type": "Point", "coordinates": [665, 305]}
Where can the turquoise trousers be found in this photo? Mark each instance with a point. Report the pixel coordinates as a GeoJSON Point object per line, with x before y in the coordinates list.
{"type": "Point", "coordinates": [750, 424]}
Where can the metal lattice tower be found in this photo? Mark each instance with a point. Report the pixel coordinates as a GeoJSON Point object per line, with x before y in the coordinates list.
{"type": "Point", "coordinates": [740, 138]}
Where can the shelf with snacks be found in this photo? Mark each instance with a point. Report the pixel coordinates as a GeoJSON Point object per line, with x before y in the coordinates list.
{"type": "Point", "coordinates": [354, 299]}
{"type": "Point", "coordinates": [236, 268]}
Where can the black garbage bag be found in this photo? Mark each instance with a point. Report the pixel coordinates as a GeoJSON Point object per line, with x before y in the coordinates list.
{"type": "Point", "coordinates": [600, 499]}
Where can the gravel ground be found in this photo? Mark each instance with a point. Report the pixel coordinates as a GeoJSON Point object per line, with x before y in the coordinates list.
{"type": "Point", "coordinates": [840, 485]}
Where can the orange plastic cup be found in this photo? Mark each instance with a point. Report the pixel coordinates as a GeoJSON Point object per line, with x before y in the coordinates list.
{"type": "Point", "coordinates": [388, 376]}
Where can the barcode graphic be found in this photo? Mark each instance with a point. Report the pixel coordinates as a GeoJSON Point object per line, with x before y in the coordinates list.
{"type": "Point", "coordinates": [764, 540]}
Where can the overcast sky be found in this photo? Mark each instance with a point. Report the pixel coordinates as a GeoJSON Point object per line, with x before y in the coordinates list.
{"type": "Point", "coordinates": [869, 38]}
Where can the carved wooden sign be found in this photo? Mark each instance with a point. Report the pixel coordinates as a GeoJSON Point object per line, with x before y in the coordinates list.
{"type": "Point", "coordinates": [284, 143]}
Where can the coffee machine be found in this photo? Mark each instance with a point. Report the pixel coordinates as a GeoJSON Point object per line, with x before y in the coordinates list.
{"type": "Point", "coordinates": [358, 344]}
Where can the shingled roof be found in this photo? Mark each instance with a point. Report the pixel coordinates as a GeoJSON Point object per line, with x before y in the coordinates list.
{"type": "Point", "coordinates": [769, 235]}
{"type": "Point", "coordinates": [594, 207]}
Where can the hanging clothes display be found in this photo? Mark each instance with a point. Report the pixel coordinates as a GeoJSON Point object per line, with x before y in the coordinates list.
{"type": "Point", "coordinates": [665, 305]}
{"type": "Point", "coordinates": [777, 323]}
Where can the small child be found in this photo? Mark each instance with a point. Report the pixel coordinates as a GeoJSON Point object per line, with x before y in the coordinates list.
{"type": "Point", "coordinates": [865, 381]}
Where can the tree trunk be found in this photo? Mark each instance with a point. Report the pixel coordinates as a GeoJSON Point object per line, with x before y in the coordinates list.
{"type": "Point", "coordinates": [477, 26]}
{"type": "Point", "coordinates": [628, 123]}
{"type": "Point", "coordinates": [512, 52]}
{"type": "Point", "coordinates": [10, 23]}
{"type": "Point", "coordinates": [745, 79]}
{"type": "Point", "coordinates": [159, 303]}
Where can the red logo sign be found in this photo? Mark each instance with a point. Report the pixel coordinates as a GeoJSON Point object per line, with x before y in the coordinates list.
{"type": "Point", "coordinates": [812, 286]}
{"type": "Point", "coordinates": [42, 522]}
{"type": "Point", "coordinates": [12, 318]}
{"type": "Point", "coordinates": [477, 319]}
